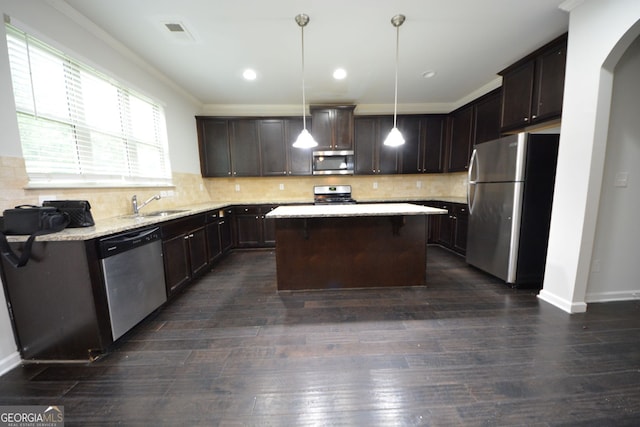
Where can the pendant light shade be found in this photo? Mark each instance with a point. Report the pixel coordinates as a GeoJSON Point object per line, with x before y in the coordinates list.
{"type": "Point", "coordinates": [304, 140]}
{"type": "Point", "coordinates": [395, 139]}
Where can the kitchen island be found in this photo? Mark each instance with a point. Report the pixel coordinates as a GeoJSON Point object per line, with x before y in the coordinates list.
{"type": "Point", "coordinates": [351, 246]}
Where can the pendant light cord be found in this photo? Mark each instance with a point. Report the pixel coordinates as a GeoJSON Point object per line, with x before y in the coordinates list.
{"type": "Point", "coordinates": [304, 110]}
{"type": "Point", "coordinates": [395, 102]}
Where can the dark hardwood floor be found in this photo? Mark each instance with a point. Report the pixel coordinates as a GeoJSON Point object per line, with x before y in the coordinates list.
{"type": "Point", "coordinates": [466, 350]}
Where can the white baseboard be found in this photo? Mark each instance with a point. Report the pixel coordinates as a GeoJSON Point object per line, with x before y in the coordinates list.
{"type": "Point", "coordinates": [612, 296]}
{"type": "Point", "coordinates": [9, 362]}
{"type": "Point", "coordinates": [561, 303]}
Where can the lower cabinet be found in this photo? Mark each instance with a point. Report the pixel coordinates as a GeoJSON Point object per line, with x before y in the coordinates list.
{"type": "Point", "coordinates": [184, 247]}
{"type": "Point", "coordinates": [225, 227]}
{"type": "Point", "coordinates": [449, 230]}
{"type": "Point", "coordinates": [251, 227]}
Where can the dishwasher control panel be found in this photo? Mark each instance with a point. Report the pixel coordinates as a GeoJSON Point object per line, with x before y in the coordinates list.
{"type": "Point", "coordinates": [119, 243]}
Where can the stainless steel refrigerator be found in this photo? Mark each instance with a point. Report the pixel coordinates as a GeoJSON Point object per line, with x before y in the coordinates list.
{"type": "Point", "coordinates": [510, 194]}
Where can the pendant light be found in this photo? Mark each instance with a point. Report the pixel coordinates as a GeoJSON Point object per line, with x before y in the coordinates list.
{"type": "Point", "coordinates": [395, 138]}
{"type": "Point", "coordinates": [305, 140]}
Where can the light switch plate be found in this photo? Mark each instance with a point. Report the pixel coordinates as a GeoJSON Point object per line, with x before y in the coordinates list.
{"type": "Point", "coordinates": [622, 179]}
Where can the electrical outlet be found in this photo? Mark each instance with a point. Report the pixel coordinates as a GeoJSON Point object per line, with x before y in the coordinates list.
{"type": "Point", "coordinates": [418, 184]}
{"type": "Point", "coordinates": [237, 187]}
{"type": "Point", "coordinates": [375, 185]}
{"type": "Point", "coordinates": [282, 186]}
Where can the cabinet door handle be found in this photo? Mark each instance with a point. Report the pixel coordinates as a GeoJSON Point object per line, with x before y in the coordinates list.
{"type": "Point", "coordinates": [186, 237]}
{"type": "Point", "coordinates": [191, 236]}
{"type": "Point", "coordinates": [526, 119]}
{"type": "Point", "coordinates": [534, 116]}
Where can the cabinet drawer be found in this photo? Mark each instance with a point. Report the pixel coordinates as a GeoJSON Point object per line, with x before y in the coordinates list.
{"type": "Point", "coordinates": [246, 210]}
{"type": "Point", "coordinates": [182, 225]}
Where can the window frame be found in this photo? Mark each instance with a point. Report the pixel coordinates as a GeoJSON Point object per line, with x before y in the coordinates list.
{"type": "Point", "coordinates": [139, 143]}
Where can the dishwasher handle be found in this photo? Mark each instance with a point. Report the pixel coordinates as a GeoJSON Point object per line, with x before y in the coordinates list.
{"type": "Point", "coordinates": [126, 241]}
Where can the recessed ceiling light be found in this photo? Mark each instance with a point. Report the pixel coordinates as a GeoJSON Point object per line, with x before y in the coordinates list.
{"type": "Point", "coordinates": [249, 74]}
{"type": "Point", "coordinates": [428, 74]}
{"type": "Point", "coordinates": [340, 74]}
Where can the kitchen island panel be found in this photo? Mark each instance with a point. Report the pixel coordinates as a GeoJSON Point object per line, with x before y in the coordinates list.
{"type": "Point", "coordinates": [351, 252]}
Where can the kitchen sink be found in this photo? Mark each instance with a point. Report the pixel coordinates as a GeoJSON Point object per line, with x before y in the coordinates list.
{"type": "Point", "coordinates": [154, 214]}
{"type": "Point", "coordinates": [164, 212]}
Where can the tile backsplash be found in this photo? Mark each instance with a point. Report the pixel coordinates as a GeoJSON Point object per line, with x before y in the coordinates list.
{"type": "Point", "coordinates": [190, 189]}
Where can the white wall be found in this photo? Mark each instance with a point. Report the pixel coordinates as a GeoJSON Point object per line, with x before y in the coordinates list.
{"type": "Point", "coordinates": [56, 24]}
{"type": "Point", "coordinates": [614, 267]}
{"type": "Point", "coordinates": [599, 33]}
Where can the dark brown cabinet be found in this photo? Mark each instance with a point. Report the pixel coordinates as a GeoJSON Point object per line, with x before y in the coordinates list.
{"type": "Point", "coordinates": [424, 143]}
{"type": "Point", "coordinates": [241, 147]}
{"type": "Point", "coordinates": [332, 126]}
{"type": "Point", "coordinates": [214, 242]}
{"type": "Point", "coordinates": [473, 123]}
{"type": "Point", "coordinates": [278, 155]}
{"type": "Point", "coordinates": [460, 218]}
{"type": "Point", "coordinates": [252, 228]}
{"type": "Point", "coordinates": [486, 117]}
{"type": "Point", "coordinates": [245, 147]}
{"type": "Point", "coordinates": [272, 147]}
{"type": "Point", "coordinates": [184, 247]}
{"type": "Point", "coordinates": [533, 87]}
{"type": "Point", "coordinates": [225, 229]}
{"type": "Point", "coordinates": [213, 145]}
{"type": "Point", "coordinates": [298, 159]}
{"type": "Point", "coordinates": [371, 155]}
{"type": "Point", "coordinates": [449, 230]}
{"type": "Point", "coordinates": [460, 140]}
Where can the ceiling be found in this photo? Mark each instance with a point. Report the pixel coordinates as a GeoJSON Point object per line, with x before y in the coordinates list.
{"type": "Point", "coordinates": [466, 42]}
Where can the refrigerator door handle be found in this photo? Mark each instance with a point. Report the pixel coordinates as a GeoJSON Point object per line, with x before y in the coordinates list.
{"type": "Point", "coordinates": [472, 166]}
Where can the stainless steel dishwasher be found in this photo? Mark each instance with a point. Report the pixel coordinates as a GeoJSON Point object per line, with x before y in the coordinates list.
{"type": "Point", "coordinates": [133, 275]}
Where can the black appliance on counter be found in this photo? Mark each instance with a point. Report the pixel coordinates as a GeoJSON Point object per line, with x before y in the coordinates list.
{"type": "Point", "coordinates": [332, 194]}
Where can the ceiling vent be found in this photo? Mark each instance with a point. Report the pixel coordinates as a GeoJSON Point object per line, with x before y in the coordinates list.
{"type": "Point", "coordinates": [177, 31]}
{"type": "Point", "coordinates": [174, 27]}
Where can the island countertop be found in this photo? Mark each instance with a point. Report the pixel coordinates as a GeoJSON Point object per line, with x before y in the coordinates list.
{"type": "Point", "coordinates": [364, 209]}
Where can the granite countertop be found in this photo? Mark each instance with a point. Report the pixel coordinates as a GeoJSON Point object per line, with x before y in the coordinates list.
{"type": "Point", "coordinates": [365, 209]}
{"type": "Point", "coordinates": [118, 224]}
{"type": "Point", "coordinates": [123, 223]}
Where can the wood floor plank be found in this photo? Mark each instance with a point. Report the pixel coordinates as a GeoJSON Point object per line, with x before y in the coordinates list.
{"type": "Point", "coordinates": [464, 350]}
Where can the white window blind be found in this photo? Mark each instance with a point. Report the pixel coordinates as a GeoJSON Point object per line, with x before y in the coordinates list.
{"type": "Point", "coordinates": [79, 127]}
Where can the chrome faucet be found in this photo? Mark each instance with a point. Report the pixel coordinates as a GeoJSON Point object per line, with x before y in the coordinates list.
{"type": "Point", "coordinates": [136, 207]}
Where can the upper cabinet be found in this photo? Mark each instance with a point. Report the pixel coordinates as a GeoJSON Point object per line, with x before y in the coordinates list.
{"type": "Point", "coordinates": [235, 147]}
{"type": "Point", "coordinates": [371, 155]}
{"type": "Point", "coordinates": [486, 117]}
{"type": "Point", "coordinates": [213, 144]}
{"type": "Point", "coordinates": [332, 126]}
{"type": "Point", "coordinates": [533, 87]}
{"type": "Point", "coordinates": [245, 147]}
{"type": "Point", "coordinates": [460, 139]}
{"type": "Point", "coordinates": [423, 149]}
{"type": "Point", "coordinates": [473, 123]}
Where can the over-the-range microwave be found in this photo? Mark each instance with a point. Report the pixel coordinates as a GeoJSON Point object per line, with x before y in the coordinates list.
{"type": "Point", "coordinates": [333, 162]}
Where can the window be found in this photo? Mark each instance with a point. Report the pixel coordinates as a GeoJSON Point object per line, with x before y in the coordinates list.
{"type": "Point", "coordinates": [79, 127]}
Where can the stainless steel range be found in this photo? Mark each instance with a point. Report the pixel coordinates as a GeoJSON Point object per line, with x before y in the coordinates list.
{"type": "Point", "coordinates": [332, 194]}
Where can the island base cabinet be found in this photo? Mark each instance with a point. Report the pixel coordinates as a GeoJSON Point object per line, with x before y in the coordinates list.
{"type": "Point", "coordinates": [351, 252]}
